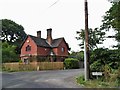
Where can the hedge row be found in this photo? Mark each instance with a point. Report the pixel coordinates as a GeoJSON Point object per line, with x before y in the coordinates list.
{"type": "Point", "coordinates": [71, 63]}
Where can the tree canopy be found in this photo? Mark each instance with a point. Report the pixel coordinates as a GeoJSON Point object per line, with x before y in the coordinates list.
{"type": "Point", "coordinates": [112, 20]}
{"type": "Point", "coordinates": [77, 55]}
{"type": "Point", "coordinates": [96, 36]}
{"type": "Point", "coordinates": [12, 32]}
{"type": "Point", "coordinates": [101, 57]}
{"type": "Point", "coordinates": [8, 53]}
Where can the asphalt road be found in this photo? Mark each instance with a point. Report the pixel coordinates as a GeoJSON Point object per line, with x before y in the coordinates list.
{"type": "Point", "coordinates": [41, 79]}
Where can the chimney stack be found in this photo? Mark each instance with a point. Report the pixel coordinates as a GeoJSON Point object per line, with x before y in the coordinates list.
{"type": "Point", "coordinates": [39, 34]}
{"type": "Point", "coordinates": [49, 35]}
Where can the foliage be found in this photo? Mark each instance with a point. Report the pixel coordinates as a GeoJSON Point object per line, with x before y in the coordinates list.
{"type": "Point", "coordinates": [12, 32]}
{"type": "Point", "coordinates": [96, 36]}
{"type": "Point", "coordinates": [107, 61]}
{"type": "Point", "coordinates": [100, 57]}
{"type": "Point", "coordinates": [96, 66]}
{"type": "Point", "coordinates": [110, 80]}
{"type": "Point", "coordinates": [107, 71]}
{"type": "Point", "coordinates": [112, 20]}
{"type": "Point", "coordinates": [93, 83]}
{"type": "Point", "coordinates": [8, 53]}
{"type": "Point", "coordinates": [71, 63]}
{"type": "Point", "coordinates": [77, 55]}
{"type": "Point", "coordinates": [118, 77]}
{"type": "Point", "coordinates": [80, 80]}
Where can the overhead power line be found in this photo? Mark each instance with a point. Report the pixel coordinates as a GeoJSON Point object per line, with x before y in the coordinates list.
{"type": "Point", "coordinates": [54, 3]}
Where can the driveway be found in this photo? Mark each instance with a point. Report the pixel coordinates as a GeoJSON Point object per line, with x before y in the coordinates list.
{"type": "Point", "coordinates": [41, 79]}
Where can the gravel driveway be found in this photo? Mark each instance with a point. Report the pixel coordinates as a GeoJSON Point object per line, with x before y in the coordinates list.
{"type": "Point", "coordinates": [41, 79]}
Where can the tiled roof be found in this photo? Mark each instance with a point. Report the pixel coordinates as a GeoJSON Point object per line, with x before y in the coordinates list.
{"type": "Point", "coordinates": [43, 43]}
{"type": "Point", "coordinates": [56, 42]}
{"type": "Point", "coordinates": [40, 41]}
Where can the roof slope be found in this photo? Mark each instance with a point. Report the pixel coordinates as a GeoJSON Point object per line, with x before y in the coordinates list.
{"type": "Point", "coordinates": [43, 42]}
{"type": "Point", "coordinates": [56, 42]}
{"type": "Point", "coordinates": [40, 41]}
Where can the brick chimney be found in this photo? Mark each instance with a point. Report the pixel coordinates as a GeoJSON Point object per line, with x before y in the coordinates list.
{"type": "Point", "coordinates": [49, 35]}
{"type": "Point", "coordinates": [39, 34]}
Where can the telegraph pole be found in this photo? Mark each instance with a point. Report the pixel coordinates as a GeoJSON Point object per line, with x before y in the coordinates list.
{"type": "Point", "coordinates": [86, 54]}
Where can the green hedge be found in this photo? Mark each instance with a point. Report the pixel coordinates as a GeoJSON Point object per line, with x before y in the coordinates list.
{"type": "Point", "coordinates": [71, 63]}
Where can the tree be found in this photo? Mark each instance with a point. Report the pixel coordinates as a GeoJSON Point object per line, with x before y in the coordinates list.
{"type": "Point", "coordinates": [112, 20]}
{"type": "Point", "coordinates": [8, 53]}
{"type": "Point", "coordinates": [77, 55]}
{"type": "Point", "coordinates": [101, 57]}
{"type": "Point", "coordinates": [12, 32]}
{"type": "Point", "coordinates": [96, 36]}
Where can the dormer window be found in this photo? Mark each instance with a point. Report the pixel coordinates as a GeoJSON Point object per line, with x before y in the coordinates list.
{"type": "Point", "coordinates": [28, 48]}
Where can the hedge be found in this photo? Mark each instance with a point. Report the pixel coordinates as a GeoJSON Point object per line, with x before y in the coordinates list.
{"type": "Point", "coordinates": [71, 63]}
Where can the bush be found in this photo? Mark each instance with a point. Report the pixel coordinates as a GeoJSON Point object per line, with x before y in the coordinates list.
{"type": "Point", "coordinates": [107, 72]}
{"type": "Point", "coordinates": [80, 80]}
{"type": "Point", "coordinates": [9, 53]}
{"type": "Point", "coordinates": [96, 66]}
{"type": "Point", "coordinates": [118, 76]}
{"type": "Point", "coordinates": [71, 63]}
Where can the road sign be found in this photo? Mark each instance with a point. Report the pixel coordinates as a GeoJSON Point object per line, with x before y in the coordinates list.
{"type": "Point", "coordinates": [97, 73]}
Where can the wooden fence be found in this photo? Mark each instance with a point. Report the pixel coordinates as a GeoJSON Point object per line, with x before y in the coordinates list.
{"type": "Point", "coordinates": [33, 66]}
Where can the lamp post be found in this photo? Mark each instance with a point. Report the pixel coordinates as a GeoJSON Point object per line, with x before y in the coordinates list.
{"type": "Point", "coordinates": [86, 44]}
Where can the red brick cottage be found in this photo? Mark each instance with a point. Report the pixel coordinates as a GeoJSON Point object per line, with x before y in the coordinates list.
{"type": "Point", "coordinates": [39, 49]}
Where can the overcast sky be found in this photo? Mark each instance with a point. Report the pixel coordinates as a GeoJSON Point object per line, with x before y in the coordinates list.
{"type": "Point", "coordinates": [65, 17]}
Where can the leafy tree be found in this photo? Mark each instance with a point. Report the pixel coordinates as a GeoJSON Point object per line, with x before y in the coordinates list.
{"type": "Point", "coordinates": [8, 53]}
{"type": "Point", "coordinates": [101, 57]}
{"type": "Point", "coordinates": [112, 20]}
{"type": "Point", "coordinates": [96, 36]}
{"type": "Point", "coordinates": [77, 55]}
{"type": "Point", "coordinates": [12, 32]}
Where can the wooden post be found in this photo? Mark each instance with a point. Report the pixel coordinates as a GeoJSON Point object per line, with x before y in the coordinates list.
{"type": "Point", "coordinates": [87, 71]}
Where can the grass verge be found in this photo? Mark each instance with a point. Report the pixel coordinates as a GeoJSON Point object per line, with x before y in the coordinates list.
{"type": "Point", "coordinates": [96, 83]}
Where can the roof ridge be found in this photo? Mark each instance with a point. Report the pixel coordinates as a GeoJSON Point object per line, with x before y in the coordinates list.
{"type": "Point", "coordinates": [36, 37]}
{"type": "Point", "coordinates": [59, 38]}
{"type": "Point", "coordinates": [44, 38]}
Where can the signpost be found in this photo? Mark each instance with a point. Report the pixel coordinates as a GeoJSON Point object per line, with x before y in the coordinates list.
{"type": "Point", "coordinates": [97, 74]}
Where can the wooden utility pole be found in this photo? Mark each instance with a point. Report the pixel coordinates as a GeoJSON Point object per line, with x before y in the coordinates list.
{"type": "Point", "coordinates": [87, 68]}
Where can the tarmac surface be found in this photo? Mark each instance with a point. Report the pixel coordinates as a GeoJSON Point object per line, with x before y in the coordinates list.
{"type": "Point", "coordinates": [42, 79]}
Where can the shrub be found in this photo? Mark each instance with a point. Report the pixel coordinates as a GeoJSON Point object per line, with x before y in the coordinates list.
{"type": "Point", "coordinates": [107, 72]}
{"type": "Point", "coordinates": [96, 66]}
{"type": "Point", "coordinates": [71, 63]}
{"type": "Point", "coordinates": [9, 53]}
{"type": "Point", "coordinates": [118, 77]}
{"type": "Point", "coordinates": [20, 61]}
{"type": "Point", "coordinates": [80, 80]}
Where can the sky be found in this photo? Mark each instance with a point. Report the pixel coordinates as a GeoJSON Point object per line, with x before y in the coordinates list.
{"type": "Point", "coordinates": [65, 17]}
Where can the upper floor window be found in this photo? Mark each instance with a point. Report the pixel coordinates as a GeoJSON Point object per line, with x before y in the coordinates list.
{"type": "Point", "coordinates": [28, 41]}
{"type": "Point", "coordinates": [63, 49]}
{"type": "Point", "coordinates": [28, 48]}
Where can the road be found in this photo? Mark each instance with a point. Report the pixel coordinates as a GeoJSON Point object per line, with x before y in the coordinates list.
{"type": "Point", "coordinates": [41, 79]}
